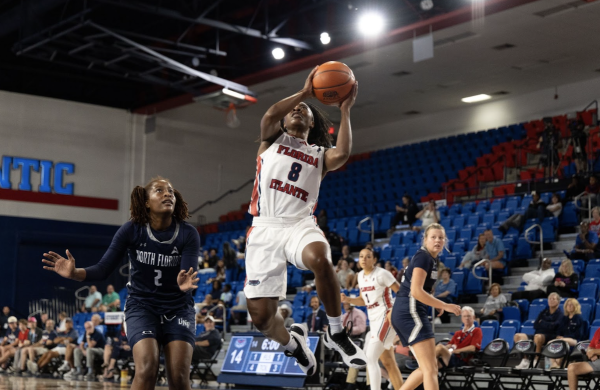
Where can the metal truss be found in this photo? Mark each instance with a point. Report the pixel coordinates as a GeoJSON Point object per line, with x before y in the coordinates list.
{"type": "Point", "coordinates": [83, 44]}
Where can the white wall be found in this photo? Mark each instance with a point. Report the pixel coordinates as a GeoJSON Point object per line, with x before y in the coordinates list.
{"type": "Point", "coordinates": [95, 139]}
{"type": "Point", "coordinates": [112, 154]}
{"type": "Point", "coordinates": [479, 116]}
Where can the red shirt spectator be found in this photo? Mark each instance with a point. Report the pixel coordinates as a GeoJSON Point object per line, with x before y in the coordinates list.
{"type": "Point", "coordinates": [465, 338]}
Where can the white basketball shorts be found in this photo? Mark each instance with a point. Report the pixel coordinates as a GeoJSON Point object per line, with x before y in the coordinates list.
{"type": "Point", "coordinates": [270, 244]}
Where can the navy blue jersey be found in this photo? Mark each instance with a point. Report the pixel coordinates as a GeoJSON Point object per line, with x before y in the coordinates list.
{"type": "Point", "coordinates": [421, 259]}
{"type": "Point", "coordinates": [155, 259]}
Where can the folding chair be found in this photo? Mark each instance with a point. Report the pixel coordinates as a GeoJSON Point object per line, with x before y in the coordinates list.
{"type": "Point", "coordinates": [500, 374]}
{"type": "Point", "coordinates": [203, 369]}
{"type": "Point", "coordinates": [495, 354]}
{"type": "Point", "coordinates": [555, 349]}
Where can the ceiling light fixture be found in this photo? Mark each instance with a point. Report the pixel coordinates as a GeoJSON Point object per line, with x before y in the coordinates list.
{"type": "Point", "coordinates": [476, 98]}
{"type": "Point", "coordinates": [325, 38]}
{"type": "Point", "coordinates": [278, 53]}
{"type": "Point", "coordinates": [370, 24]}
{"type": "Point", "coordinates": [426, 5]}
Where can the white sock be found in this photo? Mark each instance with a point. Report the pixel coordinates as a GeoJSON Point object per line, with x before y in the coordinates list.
{"type": "Point", "coordinates": [292, 345]}
{"type": "Point", "coordinates": [335, 323]}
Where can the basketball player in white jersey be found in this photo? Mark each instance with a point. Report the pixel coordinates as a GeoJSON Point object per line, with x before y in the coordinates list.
{"type": "Point", "coordinates": [294, 155]}
{"type": "Point", "coordinates": [376, 285]}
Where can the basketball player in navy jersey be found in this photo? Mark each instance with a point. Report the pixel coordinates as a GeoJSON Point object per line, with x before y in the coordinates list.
{"type": "Point", "coordinates": [294, 155]}
{"type": "Point", "coordinates": [409, 315]}
{"type": "Point", "coordinates": [163, 258]}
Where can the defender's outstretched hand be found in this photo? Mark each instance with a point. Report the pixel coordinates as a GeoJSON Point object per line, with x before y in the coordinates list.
{"type": "Point", "coordinates": [187, 280]}
{"type": "Point", "coordinates": [60, 265]}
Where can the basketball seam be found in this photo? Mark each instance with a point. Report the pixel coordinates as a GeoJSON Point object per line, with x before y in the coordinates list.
{"type": "Point", "coordinates": [333, 86]}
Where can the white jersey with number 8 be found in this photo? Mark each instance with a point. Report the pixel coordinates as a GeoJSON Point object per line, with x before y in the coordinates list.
{"type": "Point", "coordinates": [288, 177]}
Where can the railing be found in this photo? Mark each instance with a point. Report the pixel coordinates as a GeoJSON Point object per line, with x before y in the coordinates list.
{"type": "Point", "coordinates": [577, 198]}
{"type": "Point", "coordinates": [224, 318]}
{"type": "Point", "coordinates": [366, 231]}
{"type": "Point", "coordinates": [541, 241]}
{"type": "Point", "coordinates": [211, 202]}
{"type": "Point", "coordinates": [61, 302]}
{"type": "Point", "coordinates": [489, 277]}
{"type": "Point", "coordinates": [78, 296]}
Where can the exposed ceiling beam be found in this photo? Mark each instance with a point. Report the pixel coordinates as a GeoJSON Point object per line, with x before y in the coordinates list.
{"type": "Point", "coordinates": [14, 18]}
{"type": "Point", "coordinates": [207, 22]}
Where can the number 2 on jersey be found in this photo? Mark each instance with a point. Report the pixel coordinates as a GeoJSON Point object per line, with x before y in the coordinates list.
{"type": "Point", "coordinates": [157, 277]}
{"type": "Point", "coordinates": [294, 172]}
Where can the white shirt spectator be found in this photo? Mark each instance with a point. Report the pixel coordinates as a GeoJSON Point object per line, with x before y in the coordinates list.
{"type": "Point", "coordinates": [428, 218]}
{"type": "Point", "coordinates": [555, 209]}
{"type": "Point", "coordinates": [538, 279]}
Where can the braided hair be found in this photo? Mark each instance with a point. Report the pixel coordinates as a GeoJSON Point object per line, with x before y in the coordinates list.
{"type": "Point", "coordinates": [319, 134]}
{"type": "Point", "coordinates": [140, 214]}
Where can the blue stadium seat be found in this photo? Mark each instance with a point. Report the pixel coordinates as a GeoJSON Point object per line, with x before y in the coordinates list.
{"type": "Point", "coordinates": [594, 328]}
{"type": "Point", "coordinates": [523, 307]}
{"type": "Point", "coordinates": [396, 239]}
{"type": "Point", "coordinates": [589, 288]}
{"type": "Point", "coordinates": [511, 313]}
{"type": "Point", "coordinates": [459, 279]}
{"type": "Point", "coordinates": [458, 222]}
{"type": "Point", "coordinates": [528, 328]}
{"type": "Point", "coordinates": [412, 250]}
{"type": "Point", "coordinates": [488, 334]}
{"type": "Point", "coordinates": [592, 270]}
{"type": "Point", "coordinates": [507, 332]}
{"type": "Point", "coordinates": [473, 220]}
{"type": "Point", "coordinates": [586, 311]}
{"type": "Point", "coordinates": [450, 262]}
{"type": "Point", "coordinates": [399, 251]}
{"type": "Point", "coordinates": [473, 285]}
{"type": "Point", "coordinates": [534, 311]}
{"type": "Point", "coordinates": [386, 253]}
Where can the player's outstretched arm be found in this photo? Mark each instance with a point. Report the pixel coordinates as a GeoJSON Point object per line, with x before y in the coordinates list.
{"type": "Point", "coordinates": [336, 157]}
{"type": "Point", "coordinates": [358, 301]}
{"type": "Point", "coordinates": [64, 267]}
{"type": "Point", "coordinates": [269, 125]}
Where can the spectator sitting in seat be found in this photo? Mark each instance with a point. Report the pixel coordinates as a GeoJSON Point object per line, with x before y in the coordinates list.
{"type": "Point", "coordinates": [405, 263]}
{"type": "Point", "coordinates": [93, 347]}
{"type": "Point", "coordinates": [94, 299]}
{"type": "Point", "coordinates": [220, 270]}
{"type": "Point", "coordinates": [286, 312]}
{"type": "Point", "coordinates": [60, 343]}
{"type": "Point", "coordinates": [582, 368]}
{"type": "Point", "coordinates": [346, 255]}
{"type": "Point", "coordinates": [4, 320]}
{"type": "Point", "coordinates": [229, 258]}
{"type": "Point", "coordinates": [555, 206]}
{"type": "Point", "coordinates": [359, 326]}
{"type": "Point", "coordinates": [468, 339]}
{"type": "Point", "coordinates": [537, 208]}
{"type": "Point", "coordinates": [444, 290]}
{"type": "Point", "coordinates": [492, 309]}
{"type": "Point", "coordinates": [566, 282]}
{"type": "Point", "coordinates": [42, 321]}
{"type": "Point", "coordinates": [240, 304]}
{"type": "Point", "coordinates": [476, 254]}
{"type": "Point", "coordinates": [586, 244]}
{"type": "Point", "coordinates": [576, 187]}
{"type": "Point", "coordinates": [208, 342]}
{"type": "Point", "coordinates": [120, 350]}
{"type": "Point", "coordinates": [343, 273]}
{"type": "Point", "coordinates": [428, 215]}
{"type": "Point", "coordinates": [62, 319]}
{"type": "Point", "coordinates": [495, 250]}
{"type": "Point", "coordinates": [227, 295]}
{"type": "Point", "coordinates": [405, 214]}
{"type": "Point", "coordinates": [390, 268]}
{"type": "Point", "coordinates": [38, 348]}
{"type": "Point", "coordinates": [317, 320]}
{"type": "Point", "coordinates": [34, 334]}
{"type": "Point", "coordinates": [537, 282]}
{"type": "Point", "coordinates": [571, 328]}
{"type": "Point", "coordinates": [111, 300]}
{"type": "Point", "coordinates": [546, 328]}
{"type": "Point", "coordinates": [593, 192]}
{"type": "Point", "coordinates": [595, 222]}
{"type": "Point", "coordinates": [11, 343]}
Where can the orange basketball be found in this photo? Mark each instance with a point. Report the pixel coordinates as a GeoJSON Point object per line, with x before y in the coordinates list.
{"type": "Point", "coordinates": [333, 82]}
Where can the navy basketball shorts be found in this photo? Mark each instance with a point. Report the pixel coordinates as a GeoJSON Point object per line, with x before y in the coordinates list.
{"type": "Point", "coordinates": [410, 320]}
{"type": "Point", "coordinates": [142, 322]}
